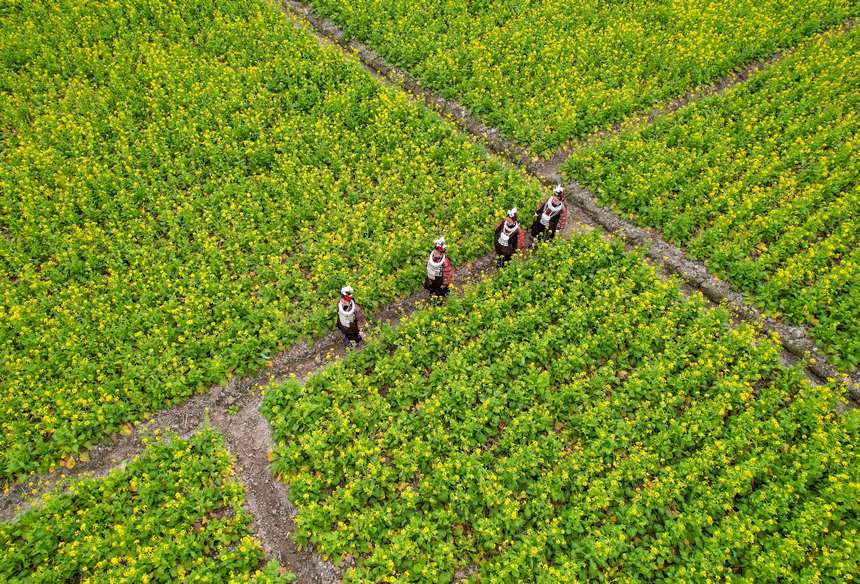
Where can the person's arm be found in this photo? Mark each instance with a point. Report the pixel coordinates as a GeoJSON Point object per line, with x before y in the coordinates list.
{"type": "Point", "coordinates": [539, 210]}
{"type": "Point", "coordinates": [562, 219]}
{"type": "Point", "coordinates": [447, 271]}
{"type": "Point", "coordinates": [521, 238]}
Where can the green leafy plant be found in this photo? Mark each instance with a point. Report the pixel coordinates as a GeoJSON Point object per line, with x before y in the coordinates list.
{"type": "Point", "coordinates": [174, 514]}
{"type": "Point", "coordinates": [572, 418]}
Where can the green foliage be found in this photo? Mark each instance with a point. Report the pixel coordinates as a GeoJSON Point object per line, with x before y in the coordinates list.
{"type": "Point", "coordinates": [763, 183]}
{"type": "Point", "coordinates": [573, 418]}
{"type": "Point", "coordinates": [172, 515]}
{"type": "Point", "coordinates": [546, 71]}
{"type": "Point", "coordinates": [185, 186]}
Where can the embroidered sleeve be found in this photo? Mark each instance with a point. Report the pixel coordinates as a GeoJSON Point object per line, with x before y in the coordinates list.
{"type": "Point", "coordinates": [447, 271]}
{"type": "Point", "coordinates": [562, 220]}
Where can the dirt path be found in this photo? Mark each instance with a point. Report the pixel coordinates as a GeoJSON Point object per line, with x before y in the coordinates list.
{"type": "Point", "coordinates": [233, 410]}
{"type": "Point", "coordinates": [183, 419]}
{"type": "Point", "coordinates": [672, 259]}
{"type": "Point", "coordinates": [248, 437]}
{"type": "Point", "coordinates": [490, 137]}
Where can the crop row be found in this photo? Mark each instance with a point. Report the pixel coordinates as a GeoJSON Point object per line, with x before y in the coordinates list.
{"type": "Point", "coordinates": [547, 71]}
{"type": "Point", "coordinates": [186, 185]}
{"type": "Point", "coordinates": [572, 418]}
{"type": "Point", "coordinates": [173, 514]}
{"type": "Point", "coordinates": [763, 183]}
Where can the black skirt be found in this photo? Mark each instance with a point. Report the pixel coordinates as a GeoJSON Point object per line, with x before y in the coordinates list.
{"type": "Point", "coordinates": [435, 286]}
{"type": "Point", "coordinates": [350, 332]}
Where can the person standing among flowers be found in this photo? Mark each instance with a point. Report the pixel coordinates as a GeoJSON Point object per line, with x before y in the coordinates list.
{"type": "Point", "coordinates": [509, 238]}
{"type": "Point", "coordinates": [550, 217]}
{"type": "Point", "coordinates": [439, 270]}
{"type": "Point", "coordinates": [350, 318]}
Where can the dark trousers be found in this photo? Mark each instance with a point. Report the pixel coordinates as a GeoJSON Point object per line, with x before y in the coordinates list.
{"type": "Point", "coordinates": [502, 260]}
{"type": "Point", "coordinates": [504, 253]}
{"type": "Point", "coordinates": [435, 286]}
{"type": "Point", "coordinates": [351, 333]}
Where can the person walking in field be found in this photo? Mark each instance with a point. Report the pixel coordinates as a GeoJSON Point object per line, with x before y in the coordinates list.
{"type": "Point", "coordinates": [350, 318]}
{"type": "Point", "coordinates": [509, 238]}
{"type": "Point", "coordinates": [550, 217]}
{"type": "Point", "coordinates": [439, 270]}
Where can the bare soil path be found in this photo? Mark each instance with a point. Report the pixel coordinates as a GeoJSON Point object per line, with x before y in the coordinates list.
{"type": "Point", "coordinates": [552, 165]}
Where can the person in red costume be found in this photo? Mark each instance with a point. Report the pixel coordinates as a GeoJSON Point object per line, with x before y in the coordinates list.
{"type": "Point", "coordinates": [550, 217]}
{"type": "Point", "coordinates": [510, 238]}
{"type": "Point", "coordinates": [439, 270]}
{"type": "Point", "coordinates": [350, 318]}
